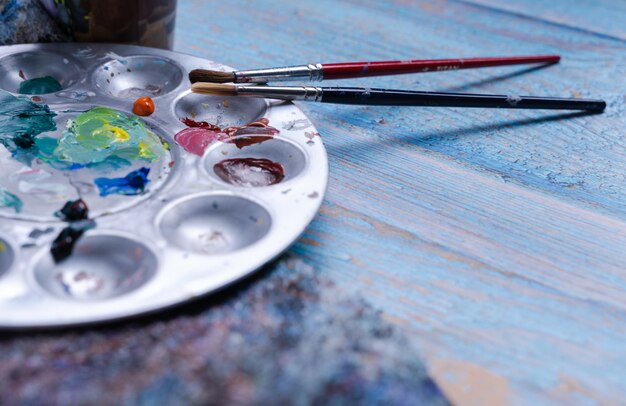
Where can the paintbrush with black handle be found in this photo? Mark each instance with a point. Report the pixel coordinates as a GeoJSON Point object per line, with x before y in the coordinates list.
{"type": "Point", "coordinates": [391, 97]}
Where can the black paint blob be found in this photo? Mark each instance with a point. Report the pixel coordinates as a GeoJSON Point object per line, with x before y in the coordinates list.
{"type": "Point", "coordinates": [77, 214]}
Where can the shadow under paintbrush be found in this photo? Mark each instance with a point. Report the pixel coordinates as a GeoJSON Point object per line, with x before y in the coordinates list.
{"type": "Point", "coordinates": [423, 138]}
{"type": "Point", "coordinates": [427, 139]}
{"type": "Point", "coordinates": [494, 79]}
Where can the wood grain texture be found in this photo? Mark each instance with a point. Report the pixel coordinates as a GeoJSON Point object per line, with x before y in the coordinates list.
{"type": "Point", "coordinates": [600, 17]}
{"type": "Point", "coordinates": [494, 238]}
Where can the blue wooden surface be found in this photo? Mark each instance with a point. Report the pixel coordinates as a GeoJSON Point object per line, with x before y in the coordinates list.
{"type": "Point", "coordinates": [488, 244]}
{"type": "Point", "coordinates": [604, 18]}
{"type": "Point", "coordinates": [495, 239]}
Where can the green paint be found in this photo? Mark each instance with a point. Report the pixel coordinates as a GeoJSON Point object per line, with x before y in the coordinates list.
{"type": "Point", "coordinates": [21, 121]}
{"type": "Point", "coordinates": [46, 84]}
{"type": "Point", "coordinates": [8, 199]}
{"type": "Point", "coordinates": [103, 138]}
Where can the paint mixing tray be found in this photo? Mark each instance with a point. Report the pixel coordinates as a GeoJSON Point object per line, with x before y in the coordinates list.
{"type": "Point", "coordinates": [172, 222]}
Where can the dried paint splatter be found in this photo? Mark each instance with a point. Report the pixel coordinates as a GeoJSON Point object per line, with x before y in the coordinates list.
{"type": "Point", "coordinates": [76, 95]}
{"type": "Point", "coordinates": [8, 199]}
{"type": "Point", "coordinates": [39, 183]}
{"type": "Point", "coordinates": [297, 125]}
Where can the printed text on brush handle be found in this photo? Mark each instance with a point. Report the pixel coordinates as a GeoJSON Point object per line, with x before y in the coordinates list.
{"type": "Point", "coordinates": [345, 70]}
{"type": "Point", "coordinates": [362, 69]}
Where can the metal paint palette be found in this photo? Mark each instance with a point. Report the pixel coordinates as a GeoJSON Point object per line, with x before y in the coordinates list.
{"type": "Point", "coordinates": [189, 234]}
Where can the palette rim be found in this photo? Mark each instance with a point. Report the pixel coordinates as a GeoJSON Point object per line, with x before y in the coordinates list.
{"type": "Point", "coordinates": [193, 234]}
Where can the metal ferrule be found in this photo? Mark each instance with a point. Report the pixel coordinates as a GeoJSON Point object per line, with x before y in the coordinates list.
{"type": "Point", "coordinates": [312, 72]}
{"type": "Point", "coordinates": [308, 93]}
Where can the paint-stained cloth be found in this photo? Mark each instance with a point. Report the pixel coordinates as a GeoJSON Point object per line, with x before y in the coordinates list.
{"type": "Point", "coordinates": [288, 336]}
{"type": "Point", "coordinates": [26, 21]}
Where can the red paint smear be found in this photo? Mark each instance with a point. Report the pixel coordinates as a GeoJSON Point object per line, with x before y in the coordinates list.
{"type": "Point", "coordinates": [250, 172]}
{"type": "Point", "coordinates": [260, 123]}
{"type": "Point", "coordinates": [241, 142]}
{"type": "Point", "coordinates": [190, 122]}
{"type": "Point", "coordinates": [201, 134]}
{"type": "Point", "coordinates": [196, 140]}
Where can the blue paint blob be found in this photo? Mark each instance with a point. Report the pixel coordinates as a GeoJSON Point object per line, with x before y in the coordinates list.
{"type": "Point", "coordinates": [130, 185]}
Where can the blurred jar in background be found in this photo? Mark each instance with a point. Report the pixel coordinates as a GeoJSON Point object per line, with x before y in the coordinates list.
{"type": "Point", "coordinates": [141, 22]}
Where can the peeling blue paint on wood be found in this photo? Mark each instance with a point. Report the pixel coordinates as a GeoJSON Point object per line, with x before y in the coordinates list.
{"type": "Point", "coordinates": [495, 237]}
{"type": "Point", "coordinates": [494, 240]}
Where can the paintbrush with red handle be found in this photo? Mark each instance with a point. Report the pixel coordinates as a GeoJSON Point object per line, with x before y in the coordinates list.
{"type": "Point", "coordinates": [345, 70]}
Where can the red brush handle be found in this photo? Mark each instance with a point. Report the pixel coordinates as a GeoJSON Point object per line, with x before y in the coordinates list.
{"type": "Point", "coordinates": [362, 69]}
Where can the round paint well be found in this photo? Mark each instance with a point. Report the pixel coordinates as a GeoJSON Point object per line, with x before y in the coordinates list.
{"type": "Point", "coordinates": [100, 267]}
{"type": "Point", "coordinates": [279, 150]}
{"type": "Point", "coordinates": [137, 76]}
{"type": "Point", "coordinates": [223, 111]}
{"type": "Point", "coordinates": [7, 256]}
{"type": "Point", "coordinates": [37, 65]}
{"type": "Point", "coordinates": [213, 224]}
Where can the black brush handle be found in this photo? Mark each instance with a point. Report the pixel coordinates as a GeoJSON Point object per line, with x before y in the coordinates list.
{"type": "Point", "coordinates": [384, 97]}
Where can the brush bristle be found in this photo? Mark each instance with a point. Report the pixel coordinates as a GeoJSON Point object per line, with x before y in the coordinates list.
{"type": "Point", "coordinates": [211, 76]}
{"type": "Point", "coordinates": [214, 89]}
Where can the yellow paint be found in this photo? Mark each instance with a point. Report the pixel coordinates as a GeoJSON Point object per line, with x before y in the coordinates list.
{"type": "Point", "coordinates": [102, 133]}
{"type": "Point", "coordinates": [119, 134]}
{"type": "Point", "coordinates": [145, 151]}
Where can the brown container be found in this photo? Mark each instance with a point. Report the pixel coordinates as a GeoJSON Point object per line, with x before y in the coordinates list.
{"type": "Point", "coordinates": [141, 22]}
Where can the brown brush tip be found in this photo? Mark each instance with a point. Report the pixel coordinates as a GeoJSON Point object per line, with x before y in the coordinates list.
{"type": "Point", "coordinates": [214, 89]}
{"type": "Point", "coordinates": [211, 76]}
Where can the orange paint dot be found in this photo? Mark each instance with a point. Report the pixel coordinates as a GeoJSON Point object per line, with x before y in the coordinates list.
{"type": "Point", "coordinates": [144, 106]}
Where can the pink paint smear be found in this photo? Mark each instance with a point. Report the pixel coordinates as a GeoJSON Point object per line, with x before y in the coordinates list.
{"type": "Point", "coordinates": [200, 134]}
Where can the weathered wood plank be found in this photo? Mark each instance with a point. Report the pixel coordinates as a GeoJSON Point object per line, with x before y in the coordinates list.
{"type": "Point", "coordinates": [494, 237]}
{"type": "Point", "coordinates": [604, 17]}
{"type": "Point", "coordinates": [577, 158]}
{"type": "Point", "coordinates": [489, 284]}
